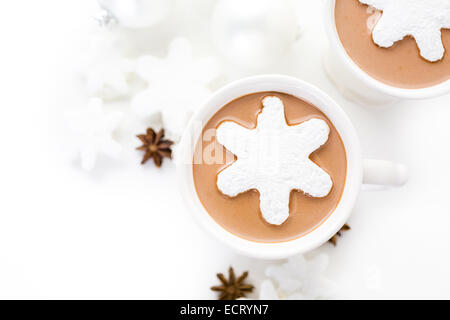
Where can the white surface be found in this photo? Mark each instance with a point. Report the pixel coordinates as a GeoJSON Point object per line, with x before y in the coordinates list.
{"type": "Point", "coordinates": [68, 234]}
{"type": "Point", "coordinates": [420, 19]}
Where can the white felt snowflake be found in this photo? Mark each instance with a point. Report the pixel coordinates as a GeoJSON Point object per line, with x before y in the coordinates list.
{"type": "Point", "coordinates": [177, 85]}
{"type": "Point", "coordinates": [274, 159]}
{"type": "Point", "coordinates": [109, 78]}
{"type": "Point", "coordinates": [298, 278]}
{"type": "Point", "coordinates": [93, 129]}
{"type": "Point", "coordinates": [421, 19]}
{"type": "Point", "coordinates": [106, 71]}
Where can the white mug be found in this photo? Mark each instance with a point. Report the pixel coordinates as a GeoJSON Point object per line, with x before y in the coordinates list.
{"type": "Point", "coordinates": [354, 82]}
{"type": "Point", "coordinates": [359, 171]}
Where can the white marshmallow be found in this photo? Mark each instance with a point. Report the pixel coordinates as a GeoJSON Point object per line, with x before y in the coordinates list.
{"type": "Point", "coordinates": [421, 19]}
{"type": "Point", "coordinates": [274, 159]}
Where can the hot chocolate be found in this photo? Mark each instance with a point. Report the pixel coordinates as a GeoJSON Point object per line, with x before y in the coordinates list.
{"type": "Point", "coordinates": [400, 65]}
{"type": "Point", "coordinates": [243, 214]}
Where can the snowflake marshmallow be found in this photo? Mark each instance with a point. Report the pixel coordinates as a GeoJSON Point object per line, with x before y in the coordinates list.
{"type": "Point", "coordinates": [274, 159]}
{"type": "Point", "coordinates": [421, 19]}
{"type": "Point", "coordinates": [177, 85]}
{"type": "Point", "coordinates": [108, 78]}
{"type": "Point", "coordinates": [93, 129]}
{"type": "Point", "coordinates": [298, 278]}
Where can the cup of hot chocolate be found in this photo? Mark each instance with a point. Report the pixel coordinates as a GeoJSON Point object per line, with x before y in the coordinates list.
{"type": "Point", "coordinates": [272, 166]}
{"type": "Point", "coordinates": [388, 50]}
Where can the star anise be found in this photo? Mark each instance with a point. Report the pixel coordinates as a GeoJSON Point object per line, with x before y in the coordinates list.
{"type": "Point", "coordinates": [334, 239]}
{"type": "Point", "coordinates": [232, 288]}
{"type": "Point", "coordinates": [155, 146]}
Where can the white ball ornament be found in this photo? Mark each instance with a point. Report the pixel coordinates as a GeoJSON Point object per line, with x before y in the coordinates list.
{"type": "Point", "coordinates": [254, 33]}
{"type": "Point", "coordinates": [137, 13]}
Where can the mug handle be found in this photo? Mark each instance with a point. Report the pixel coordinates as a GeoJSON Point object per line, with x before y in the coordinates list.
{"type": "Point", "coordinates": [384, 173]}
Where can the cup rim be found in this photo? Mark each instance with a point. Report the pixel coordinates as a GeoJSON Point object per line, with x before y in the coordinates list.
{"type": "Point", "coordinates": [307, 92]}
{"type": "Point", "coordinates": [338, 48]}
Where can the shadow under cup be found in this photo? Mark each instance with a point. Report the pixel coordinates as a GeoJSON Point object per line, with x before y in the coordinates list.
{"type": "Point", "coordinates": [400, 65]}
{"type": "Point", "coordinates": [241, 215]}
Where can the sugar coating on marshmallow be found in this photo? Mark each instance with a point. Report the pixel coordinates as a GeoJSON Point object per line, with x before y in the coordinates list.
{"type": "Point", "coordinates": [274, 159]}
{"type": "Point", "coordinates": [421, 19]}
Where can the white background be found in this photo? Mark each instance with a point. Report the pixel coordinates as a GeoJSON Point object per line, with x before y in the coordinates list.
{"type": "Point", "coordinates": [123, 232]}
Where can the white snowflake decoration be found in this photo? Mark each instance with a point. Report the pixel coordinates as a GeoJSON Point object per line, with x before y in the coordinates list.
{"type": "Point", "coordinates": [298, 278]}
{"type": "Point", "coordinates": [106, 71]}
{"type": "Point", "coordinates": [274, 159]}
{"type": "Point", "coordinates": [421, 19]}
{"type": "Point", "coordinates": [93, 129]}
{"type": "Point", "coordinates": [177, 85]}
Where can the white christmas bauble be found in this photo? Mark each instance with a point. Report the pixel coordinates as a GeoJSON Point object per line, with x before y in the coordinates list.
{"type": "Point", "coordinates": [254, 33]}
{"type": "Point", "coordinates": [137, 13]}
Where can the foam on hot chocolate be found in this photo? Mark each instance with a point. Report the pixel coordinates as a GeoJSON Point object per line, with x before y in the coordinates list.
{"type": "Point", "coordinates": [423, 20]}
{"type": "Point", "coordinates": [274, 159]}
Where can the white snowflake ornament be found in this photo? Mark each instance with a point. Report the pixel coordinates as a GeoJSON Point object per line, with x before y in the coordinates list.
{"type": "Point", "coordinates": [109, 78]}
{"type": "Point", "coordinates": [421, 19]}
{"type": "Point", "coordinates": [93, 129]}
{"type": "Point", "coordinates": [297, 279]}
{"type": "Point", "coordinates": [274, 159]}
{"type": "Point", "coordinates": [177, 85]}
{"type": "Point", "coordinates": [106, 70]}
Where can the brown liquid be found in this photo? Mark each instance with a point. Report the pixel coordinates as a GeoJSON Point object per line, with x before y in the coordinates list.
{"type": "Point", "coordinates": [400, 65]}
{"type": "Point", "coordinates": [240, 215]}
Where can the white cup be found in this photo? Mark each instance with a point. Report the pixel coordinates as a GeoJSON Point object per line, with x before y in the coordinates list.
{"type": "Point", "coordinates": [359, 171]}
{"type": "Point", "coordinates": [354, 82]}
